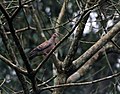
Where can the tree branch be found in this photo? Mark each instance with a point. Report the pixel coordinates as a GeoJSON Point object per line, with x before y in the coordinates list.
{"type": "Point", "coordinates": [22, 30]}
{"type": "Point", "coordinates": [8, 62]}
{"type": "Point", "coordinates": [82, 70]}
{"type": "Point", "coordinates": [30, 75]}
{"type": "Point", "coordinates": [61, 14]}
{"type": "Point", "coordinates": [73, 48]}
{"type": "Point", "coordinates": [83, 83]}
{"type": "Point", "coordinates": [97, 46]}
{"type": "Point", "coordinates": [13, 58]}
{"type": "Point", "coordinates": [17, 42]}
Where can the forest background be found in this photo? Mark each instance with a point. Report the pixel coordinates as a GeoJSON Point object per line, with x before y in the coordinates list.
{"type": "Point", "coordinates": [85, 60]}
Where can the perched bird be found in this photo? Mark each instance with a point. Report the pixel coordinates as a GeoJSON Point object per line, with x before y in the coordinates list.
{"type": "Point", "coordinates": [43, 48]}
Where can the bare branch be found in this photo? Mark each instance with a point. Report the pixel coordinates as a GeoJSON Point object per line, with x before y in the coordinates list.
{"type": "Point", "coordinates": [97, 46]}
{"type": "Point", "coordinates": [73, 48]}
{"type": "Point", "coordinates": [22, 30]}
{"type": "Point", "coordinates": [61, 14]}
{"type": "Point", "coordinates": [13, 58]}
{"type": "Point", "coordinates": [109, 48]}
{"type": "Point", "coordinates": [2, 82]}
{"type": "Point", "coordinates": [17, 42]}
{"type": "Point", "coordinates": [83, 83]}
{"type": "Point", "coordinates": [19, 8]}
{"type": "Point", "coordinates": [4, 12]}
{"type": "Point", "coordinates": [8, 62]}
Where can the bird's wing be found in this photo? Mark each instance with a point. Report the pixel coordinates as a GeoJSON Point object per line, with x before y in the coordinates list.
{"type": "Point", "coordinates": [43, 46]}
{"type": "Point", "coordinates": [39, 48]}
{"type": "Point", "coordinates": [33, 53]}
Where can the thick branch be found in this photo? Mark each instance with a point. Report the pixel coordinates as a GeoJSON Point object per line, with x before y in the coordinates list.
{"type": "Point", "coordinates": [73, 48]}
{"type": "Point", "coordinates": [97, 46]}
{"type": "Point", "coordinates": [61, 14]}
{"type": "Point", "coordinates": [82, 70]}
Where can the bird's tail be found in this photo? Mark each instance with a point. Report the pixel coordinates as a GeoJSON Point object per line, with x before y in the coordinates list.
{"type": "Point", "coordinates": [32, 54]}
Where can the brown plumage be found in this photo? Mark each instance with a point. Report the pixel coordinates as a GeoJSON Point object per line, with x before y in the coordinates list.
{"type": "Point", "coordinates": [44, 48]}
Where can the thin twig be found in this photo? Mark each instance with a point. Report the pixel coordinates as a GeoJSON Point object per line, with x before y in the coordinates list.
{"type": "Point", "coordinates": [49, 80]}
{"type": "Point", "coordinates": [2, 82]}
{"type": "Point", "coordinates": [8, 62]}
{"type": "Point", "coordinates": [22, 30]}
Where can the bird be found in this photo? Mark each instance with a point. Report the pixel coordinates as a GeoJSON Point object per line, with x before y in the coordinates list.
{"type": "Point", "coordinates": [43, 48]}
